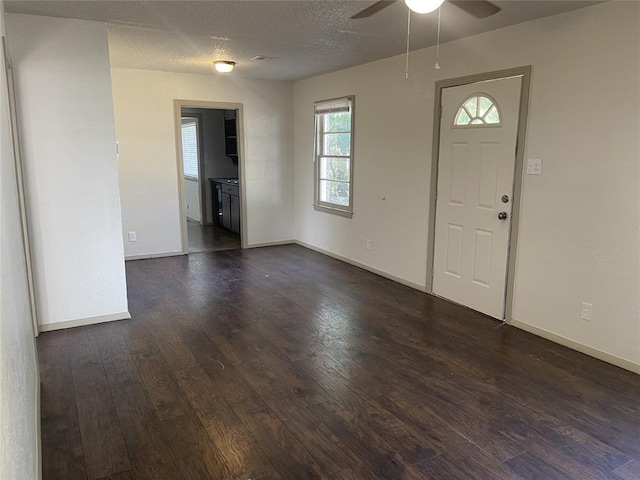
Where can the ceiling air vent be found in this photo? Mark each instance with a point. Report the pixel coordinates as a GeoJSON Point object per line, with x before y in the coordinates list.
{"type": "Point", "coordinates": [264, 58]}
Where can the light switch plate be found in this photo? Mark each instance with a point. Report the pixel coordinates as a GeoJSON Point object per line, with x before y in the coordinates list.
{"type": "Point", "coordinates": [586, 311]}
{"type": "Point", "coordinates": [534, 166]}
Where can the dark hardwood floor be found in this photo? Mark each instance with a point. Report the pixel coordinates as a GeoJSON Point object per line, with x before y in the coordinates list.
{"type": "Point", "coordinates": [281, 363]}
{"type": "Point", "coordinates": [210, 238]}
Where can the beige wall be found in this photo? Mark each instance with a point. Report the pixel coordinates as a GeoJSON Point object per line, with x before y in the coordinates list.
{"type": "Point", "coordinates": [579, 223]}
{"type": "Point", "coordinates": [143, 103]}
{"type": "Point", "coordinates": [19, 402]}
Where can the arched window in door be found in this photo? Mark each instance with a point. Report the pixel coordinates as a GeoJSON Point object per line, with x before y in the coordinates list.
{"type": "Point", "coordinates": [478, 110]}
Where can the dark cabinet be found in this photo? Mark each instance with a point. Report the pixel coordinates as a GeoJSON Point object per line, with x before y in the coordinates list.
{"type": "Point", "coordinates": [234, 209]}
{"type": "Point", "coordinates": [226, 205]}
{"type": "Point", "coordinates": [226, 210]}
{"type": "Point", "coordinates": [216, 201]}
{"type": "Point", "coordinates": [231, 135]}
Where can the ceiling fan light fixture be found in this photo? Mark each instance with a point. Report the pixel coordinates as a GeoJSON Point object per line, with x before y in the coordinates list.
{"type": "Point", "coordinates": [224, 66]}
{"type": "Point", "coordinates": [424, 6]}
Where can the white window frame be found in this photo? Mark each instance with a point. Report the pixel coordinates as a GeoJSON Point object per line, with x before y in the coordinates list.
{"type": "Point", "coordinates": [191, 121]}
{"type": "Point", "coordinates": [322, 108]}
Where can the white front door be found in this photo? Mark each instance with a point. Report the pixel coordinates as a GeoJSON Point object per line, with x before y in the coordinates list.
{"type": "Point", "coordinates": [478, 133]}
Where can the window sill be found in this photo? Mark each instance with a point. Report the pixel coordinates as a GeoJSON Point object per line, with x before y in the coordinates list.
{"type": "Point", "coordinates": [334, 211]}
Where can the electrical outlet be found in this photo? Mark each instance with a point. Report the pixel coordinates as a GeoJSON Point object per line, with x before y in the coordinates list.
{"type": "Point", "coordinates": [133, 237]}
{"type": "Point", "coordinates": [586, 311]}
{"type": "Point", "coordinates": [368, 244]}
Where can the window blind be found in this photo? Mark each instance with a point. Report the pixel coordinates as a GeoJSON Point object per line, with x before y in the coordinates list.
{"type": "Point", "coordinates": [190, 147]}
{"type": "Point", "coordinates": [333, 106]}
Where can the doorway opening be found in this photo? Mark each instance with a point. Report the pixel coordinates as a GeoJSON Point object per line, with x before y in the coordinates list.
{"type": "Point", "coordinates": [478, 150]}
{"type": "Point", "coordinates": [210, 166]}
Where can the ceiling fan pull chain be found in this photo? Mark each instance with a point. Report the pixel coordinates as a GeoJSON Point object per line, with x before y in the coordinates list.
{"type": "Point", "coordinates": [406, 68]}
{"type": "Point", "coordinates": [437, 65]}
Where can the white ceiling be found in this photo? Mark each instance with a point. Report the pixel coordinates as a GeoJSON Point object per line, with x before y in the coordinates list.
{"type": "Point", "coordinates": [308, 37]}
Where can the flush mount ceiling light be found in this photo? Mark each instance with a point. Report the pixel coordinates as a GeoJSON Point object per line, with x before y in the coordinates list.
{"type": "Point", "coordinates": [224, 66]}
{"type": "Point", "coordinates": [423, 6]}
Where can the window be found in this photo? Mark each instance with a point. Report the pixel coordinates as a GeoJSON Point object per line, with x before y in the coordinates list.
{"type": "Point", "coordinates": [190, 147]}
{"type": "Point", "coordinates": [477, 110]}
{"type": "Point", "coordinates": [334, 156]}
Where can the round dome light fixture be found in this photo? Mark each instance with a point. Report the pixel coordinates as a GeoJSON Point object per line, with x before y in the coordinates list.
{"type": "Point", "coordinates": [224, 66]}
{"type": "Point", "coordinates": [423, 6]}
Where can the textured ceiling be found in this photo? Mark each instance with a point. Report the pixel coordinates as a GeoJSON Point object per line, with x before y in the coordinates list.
{"type": "Point", "coordinates": [307, 37]}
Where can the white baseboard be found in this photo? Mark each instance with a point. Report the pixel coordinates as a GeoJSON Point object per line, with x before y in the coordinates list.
{"type": "Point", "coordinates": [270, 244]}
{"type": "Point", "coordinates": [364, 266]}
{"type": "Point", "coordinates": [592, 352]}
{"type": "Point", "coordinates": [80, 322]}
{"type": "Point", "coordinates": [146, 256]}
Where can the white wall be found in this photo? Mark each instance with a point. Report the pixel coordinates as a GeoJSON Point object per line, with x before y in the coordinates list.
{"type": "Point", "coordinates": [19, 419]}
{"type": "Point", "coordinates": [579, 223]}
{"type": "Point", "coordinates": [192, 199]}
{"type": "Point", "coordinates": [144, 114]}
{"type": "Point", "coordinates": [66, 121]}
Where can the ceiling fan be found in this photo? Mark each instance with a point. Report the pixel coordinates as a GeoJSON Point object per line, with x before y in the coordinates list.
{"type": "Point", "coordinates": [477, 8]}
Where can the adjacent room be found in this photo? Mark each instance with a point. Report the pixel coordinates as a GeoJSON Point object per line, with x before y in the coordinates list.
{"type": "Point", "coordinates": [338, 239]}
{"type": "Point", "coordinates": [211, 189]}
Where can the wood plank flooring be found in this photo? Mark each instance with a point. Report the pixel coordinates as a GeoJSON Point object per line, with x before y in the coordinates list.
{"type": "Point", "coordinates": [210, 238]}
{"type": "Point", "coordinates": [281, 363]}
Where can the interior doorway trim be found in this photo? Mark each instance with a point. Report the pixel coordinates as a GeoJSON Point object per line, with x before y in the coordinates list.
{"type": "Point", "coordinates": [525, 73]}
{"type": "Point", "coordinates": [177, 114]}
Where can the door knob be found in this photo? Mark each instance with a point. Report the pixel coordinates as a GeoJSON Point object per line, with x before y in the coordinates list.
{"type": "Point", "coordinates": [502, 216]}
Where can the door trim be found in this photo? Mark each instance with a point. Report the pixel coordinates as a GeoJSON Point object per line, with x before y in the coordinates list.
{"type": "Point", "coordinates": [177, 116]}
{"type": "Point", "coordinates": [525, 73]}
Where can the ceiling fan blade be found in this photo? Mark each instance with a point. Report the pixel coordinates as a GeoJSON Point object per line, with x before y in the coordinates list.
{"type": "Point", "coordinates": [477, 8]}
{"type": "Point", "coordinates": [375, 8]}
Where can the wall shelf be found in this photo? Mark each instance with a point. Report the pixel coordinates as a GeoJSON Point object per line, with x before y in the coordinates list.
{"type": "Point", "coordinates": [230, 135]}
